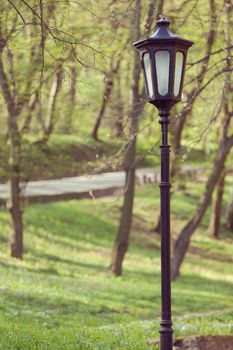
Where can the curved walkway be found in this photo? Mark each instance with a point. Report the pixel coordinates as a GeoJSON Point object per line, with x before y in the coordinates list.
{"type": "Point", "coordinates": [81, 186]}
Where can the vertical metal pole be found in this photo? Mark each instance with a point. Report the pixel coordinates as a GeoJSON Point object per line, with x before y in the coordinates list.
{"type": "Point", "coordinates": [166, 323]}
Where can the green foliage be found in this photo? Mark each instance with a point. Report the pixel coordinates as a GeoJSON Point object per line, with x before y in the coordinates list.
{"type": "Point", "coordinates": [99, 32]}
{"type": "Point", "coordinates": [62, 297]}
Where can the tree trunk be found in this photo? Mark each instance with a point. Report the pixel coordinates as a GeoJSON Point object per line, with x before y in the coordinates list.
{"type": "Point", "coordinates": [192, 96]}
{"type": "Point", "coordinates": [32, 104]}
{"type": "Point", "coordinates": [229, 218]}
{"type": "Point", "coordinates": [72, 97]}
{"type": "Point", "coordinates": [159, 8]}
{"type": "Point", "coordinates": [182, 242]}
{"type": "Point", "coordinates": [154, 11]}
{"type": "Point", "coordinates": [108, 86]}
{"type": "Point", "coordinates": [16, 212]}
{"type": "Point", "coordinates": [14, 204]}
{"type": "Point", "coordinates": [122, 239]}
{"type": "Point", "coordinates": [215, 220]}
{"type": "Point", "coordinates": [50, 119]}
{"type": "Point", "coordinates": [158, 224]}
{"type": "Point", "coordinates": [119, 110]}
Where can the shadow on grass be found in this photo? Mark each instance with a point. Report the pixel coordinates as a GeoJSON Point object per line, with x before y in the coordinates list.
{"type": "Point", "coordinates": [208, 283]}
{"type": "Point", "coordinates": [54, 311]}
{"type": "Point", "coordinates": [194, 293]}
{"type": "Point", "coordinates": [207, 254]}
{"type": "Point", "coordinates": [78, 264]}
{"type": "Point", "coordinates": [59, 240]}
{"type": "Point", "coordinates": [51, 270]}
{"type": "Point", "coordinates": [67, 220]}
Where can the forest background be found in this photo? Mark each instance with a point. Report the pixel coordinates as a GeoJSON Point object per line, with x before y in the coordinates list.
{"type": "Point", "coordinates": [72, 102]}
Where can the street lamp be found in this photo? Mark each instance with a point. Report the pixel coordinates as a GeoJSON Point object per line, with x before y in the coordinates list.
{"type": "Point", "coordinates": [163, 58]}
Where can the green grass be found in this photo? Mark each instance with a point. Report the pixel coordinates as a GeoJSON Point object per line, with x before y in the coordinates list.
{"type": "Point", "coordinates": [62, 297]}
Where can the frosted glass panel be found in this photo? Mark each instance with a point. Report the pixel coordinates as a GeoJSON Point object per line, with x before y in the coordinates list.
{"type": "Point", "coordinates": [146, 59]}
{"type": "Point", "coordinates": [162, 63]}
{"type": "Point", "coordinates": [178, 72]}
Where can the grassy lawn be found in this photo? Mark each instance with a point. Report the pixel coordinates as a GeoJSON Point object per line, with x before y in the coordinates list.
{"type": "Point", "coordinates": [62, 297]}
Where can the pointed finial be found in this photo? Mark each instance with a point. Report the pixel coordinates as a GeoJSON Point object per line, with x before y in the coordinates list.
{"type": "Point", "coordinates": [163, 22]}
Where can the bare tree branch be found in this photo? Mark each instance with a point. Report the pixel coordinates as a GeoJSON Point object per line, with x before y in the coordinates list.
{"type": "Point", "coordinates": [16, 9]}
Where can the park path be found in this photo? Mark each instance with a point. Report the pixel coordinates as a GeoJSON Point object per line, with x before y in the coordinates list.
{"type": "Point", "coordinates": [80, 186]}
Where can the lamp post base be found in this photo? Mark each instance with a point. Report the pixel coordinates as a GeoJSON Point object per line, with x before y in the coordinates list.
{"type": "Point", "coordinates": [166, 339]}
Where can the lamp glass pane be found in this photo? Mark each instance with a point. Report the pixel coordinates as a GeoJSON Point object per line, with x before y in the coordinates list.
{"type": "Point", "coordinates": [162, 63]}
{"type": "Point", "coordinates": [178, 72]}
{"type": "Point", "coordinates": [148, 77]}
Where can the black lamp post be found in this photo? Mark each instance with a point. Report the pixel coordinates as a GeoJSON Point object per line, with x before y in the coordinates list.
{"type": "Point", "coordinates": [163, 58]}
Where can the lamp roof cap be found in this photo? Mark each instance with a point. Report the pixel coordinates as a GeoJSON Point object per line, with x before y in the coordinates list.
{"type": "Point", "coordinates": [162, 30]}
{"type": "Point", "coordinates": [162, 33]}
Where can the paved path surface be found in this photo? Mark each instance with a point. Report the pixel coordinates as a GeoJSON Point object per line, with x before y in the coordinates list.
{"type": "Point", "coordinates": [79, 186]}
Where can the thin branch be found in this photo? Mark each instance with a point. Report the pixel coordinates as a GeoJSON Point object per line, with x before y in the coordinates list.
{"type": "Point", "coordinates": [50, 30]}
{"type": "Point", "coordinates": [43, 38]}
{"type": "Point", "coordinates": [211, 54]}
{"type": "Point", "coordinates": [20, 15]}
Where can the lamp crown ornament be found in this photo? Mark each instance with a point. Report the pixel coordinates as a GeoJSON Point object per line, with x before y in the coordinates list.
{"type": "Point", "coordinates": [163, 21]}
{"type": "Point", "coordinates": [162, 29]}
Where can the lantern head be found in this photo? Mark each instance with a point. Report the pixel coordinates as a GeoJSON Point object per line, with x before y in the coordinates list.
{"type": "Point", "coordinates": [163, 58]}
